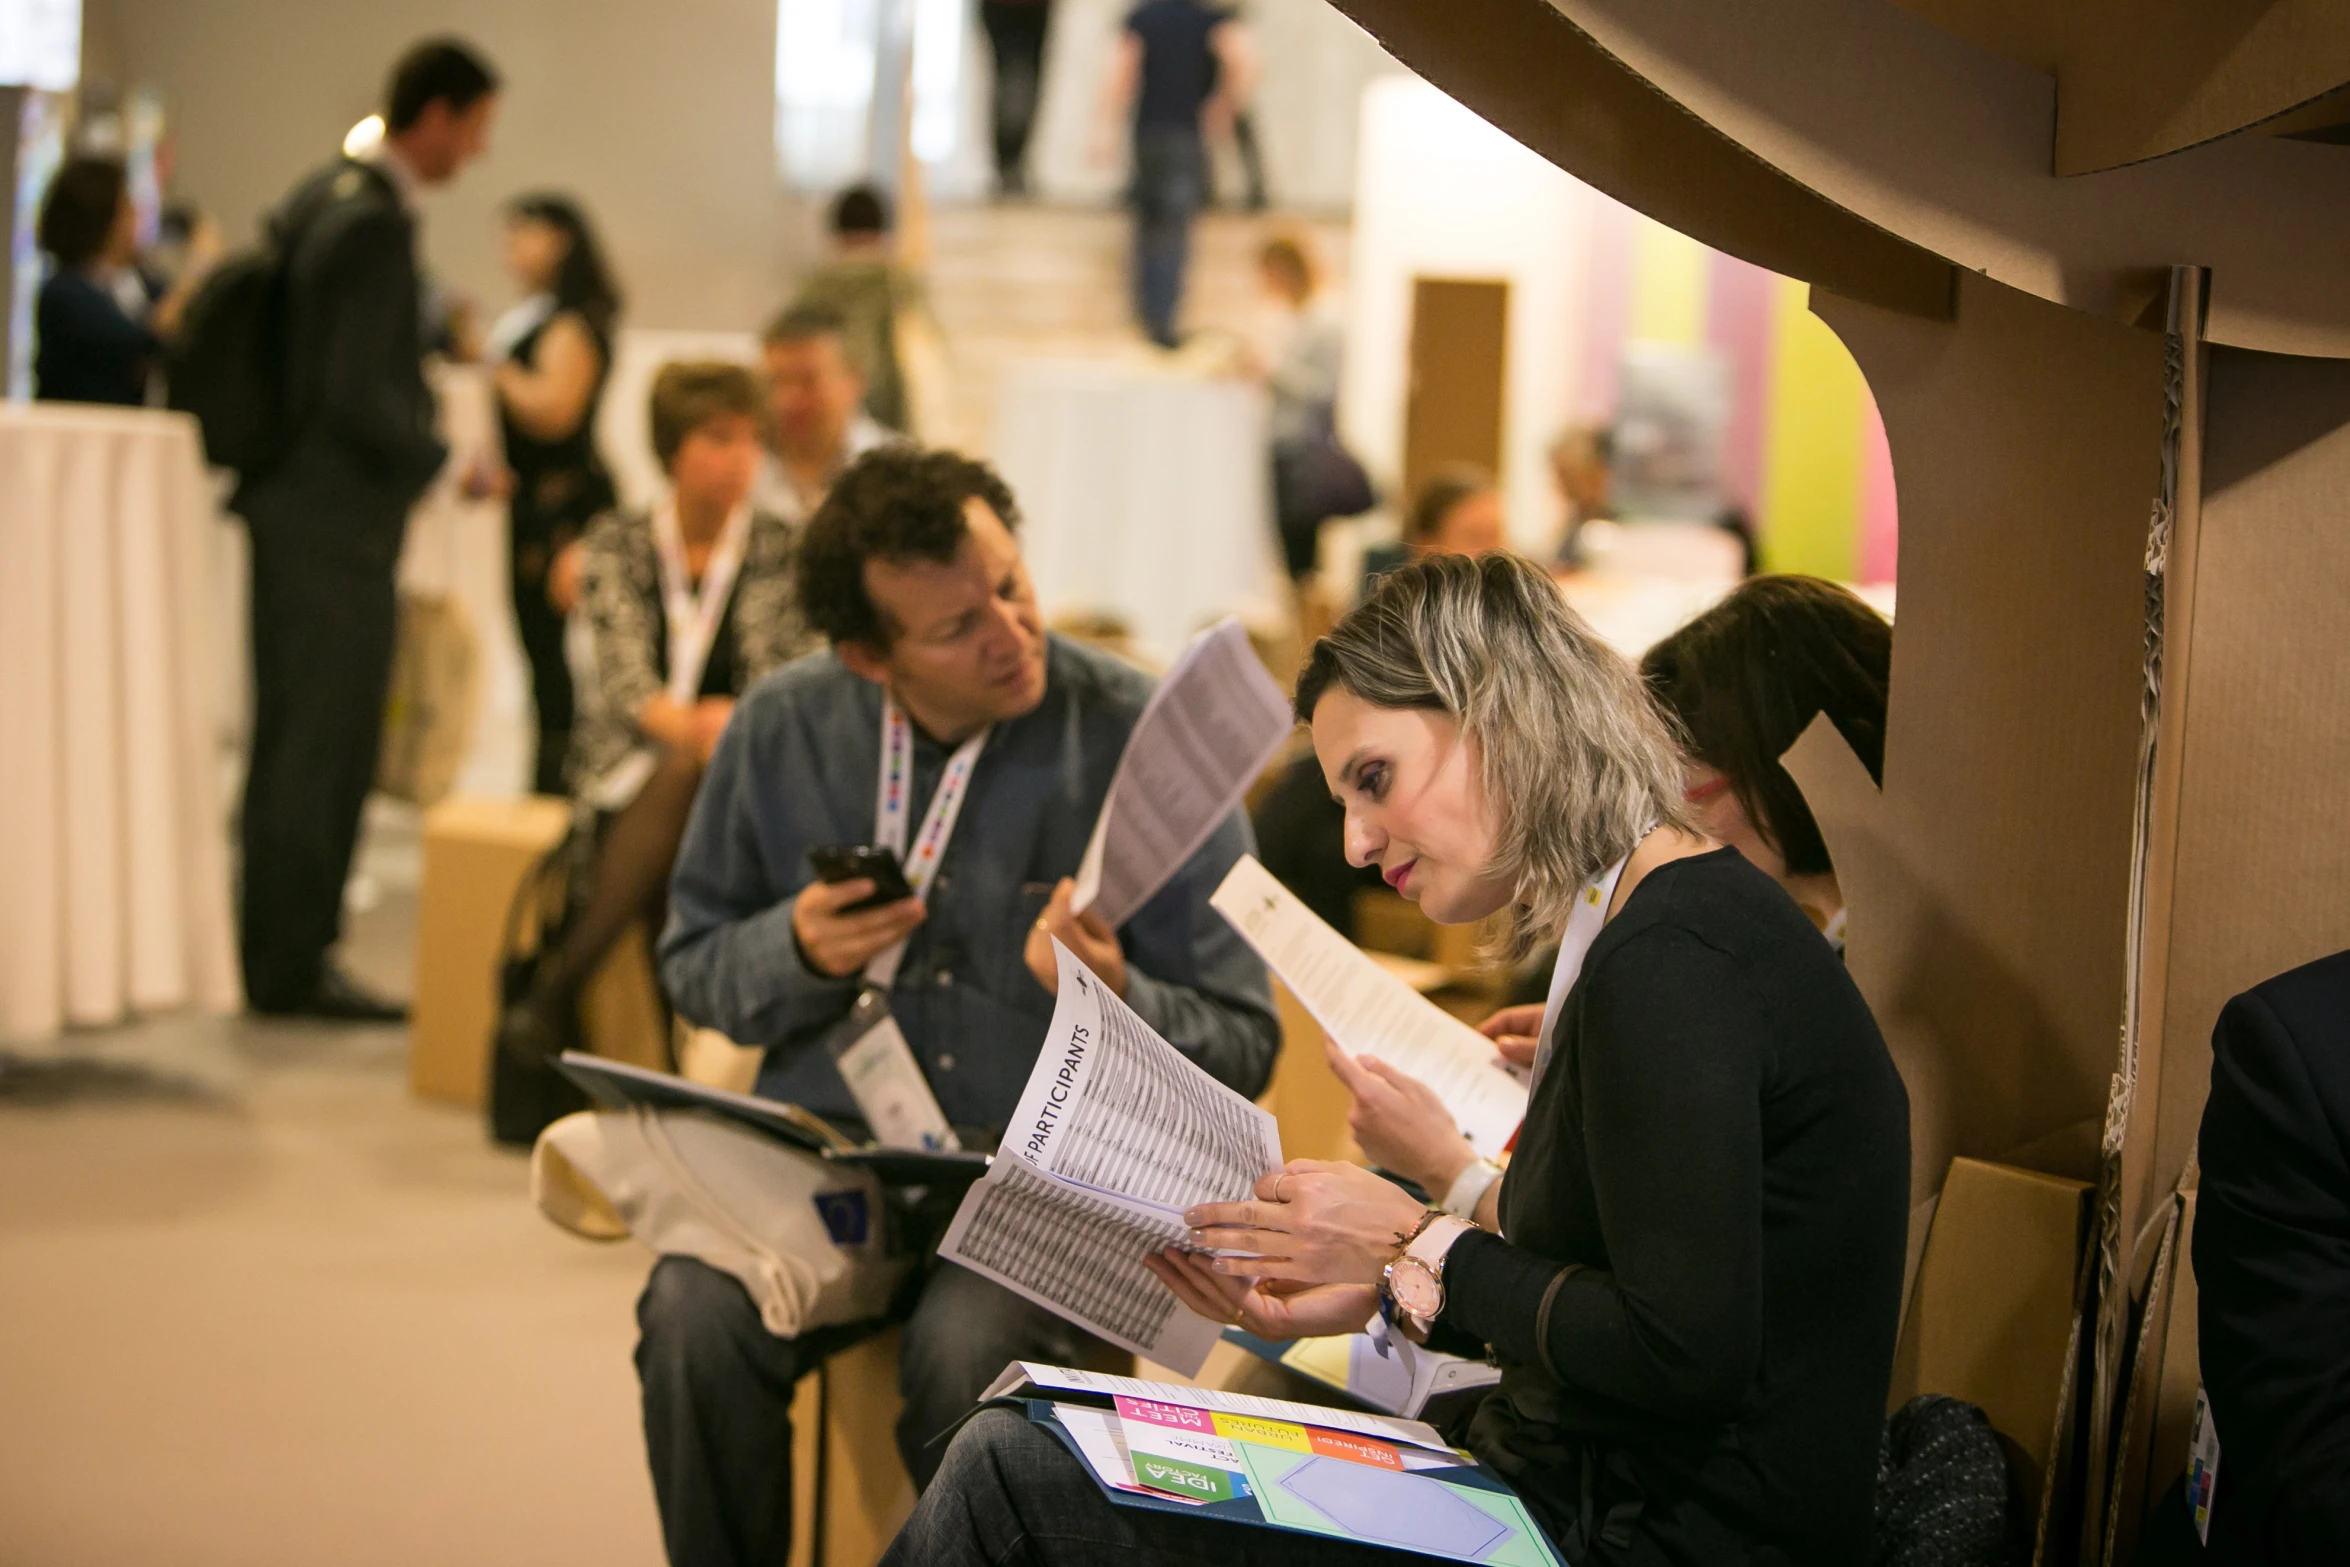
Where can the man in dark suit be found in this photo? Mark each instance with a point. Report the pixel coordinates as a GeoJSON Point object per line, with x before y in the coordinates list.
{"type": "Point", "coordinates": [327, 518]}
{"type": "Point", "coordinates": [2272, 1268]}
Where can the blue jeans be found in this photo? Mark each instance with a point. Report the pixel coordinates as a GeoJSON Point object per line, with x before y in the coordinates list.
{"type": "Point", "coordinates": [1170, 187]}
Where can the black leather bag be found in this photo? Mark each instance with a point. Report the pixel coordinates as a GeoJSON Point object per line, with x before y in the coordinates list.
{"type": "Point", "coordinates": [527, 1093]}
{"type": "Point", "coordinates": [1315, 478]}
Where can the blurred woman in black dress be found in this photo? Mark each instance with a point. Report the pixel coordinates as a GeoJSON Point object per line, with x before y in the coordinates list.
{"type": "Point", "coordinates": [551, 355]}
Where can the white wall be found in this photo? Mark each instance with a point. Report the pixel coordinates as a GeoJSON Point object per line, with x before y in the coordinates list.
{"type": "Point", "coordinates": [1440, 193]}
{"type": "Point", "coordinates": [660, 117]}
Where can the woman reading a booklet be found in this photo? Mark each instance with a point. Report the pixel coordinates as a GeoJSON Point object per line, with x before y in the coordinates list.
{"type": "Point", "coordinates": [1690, 1276]}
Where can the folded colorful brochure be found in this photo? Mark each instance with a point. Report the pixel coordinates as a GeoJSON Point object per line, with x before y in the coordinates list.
{"type": "Point", "coordinates": [1305, 1478]}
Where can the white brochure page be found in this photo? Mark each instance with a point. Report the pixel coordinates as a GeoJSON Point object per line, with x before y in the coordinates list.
{"type": "Point", "coordinates": [1116, 1135]}
{"type": "Point", "coordinates": [1213, 724]}
{"type": "Point", "coordinates": [1371, 1012]}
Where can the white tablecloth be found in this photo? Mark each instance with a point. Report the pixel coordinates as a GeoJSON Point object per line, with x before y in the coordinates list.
{"type": "Point", "coordinates": [114, 891]}
{"type": "Point", "coordinates": [1144, 492]}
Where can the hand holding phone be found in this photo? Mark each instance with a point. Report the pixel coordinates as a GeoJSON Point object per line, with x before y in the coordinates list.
{"type": "Point", "coordinates": [840, 924]}
{"type": "Point", "coordinates": [863, 862]}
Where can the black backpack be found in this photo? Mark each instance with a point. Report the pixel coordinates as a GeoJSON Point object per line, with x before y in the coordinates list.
{"type": "Point", "coordinates": [228, 365]}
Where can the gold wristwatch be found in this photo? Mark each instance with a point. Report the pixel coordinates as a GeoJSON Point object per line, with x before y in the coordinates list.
{"type": "Point", "coordinates": [1414, 1282]}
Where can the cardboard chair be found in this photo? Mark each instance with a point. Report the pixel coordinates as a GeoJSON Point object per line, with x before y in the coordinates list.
{"type": "Point", "coordinates": [1992, 1315]}
{"type": "Point", "coordinates": [476, 853]}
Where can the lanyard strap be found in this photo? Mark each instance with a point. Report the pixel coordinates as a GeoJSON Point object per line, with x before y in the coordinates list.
{"type": "Point", "coordinates": [1583, 927]}
{"type": "Point", "coordinates": [938, 823]}
{"type": "Point", "coordinates": [694, 616]}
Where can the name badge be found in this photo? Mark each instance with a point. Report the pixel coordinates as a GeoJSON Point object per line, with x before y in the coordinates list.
{"type": "Point", "coordinates": [886, 1081]}
{"type": "Point", "coordinates": [2202, 1466]}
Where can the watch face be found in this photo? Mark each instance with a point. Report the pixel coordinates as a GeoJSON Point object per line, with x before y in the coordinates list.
{"type": "Point", "coordinates": [1419, 1295]}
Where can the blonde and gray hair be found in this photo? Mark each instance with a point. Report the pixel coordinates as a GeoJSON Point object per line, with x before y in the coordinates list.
{"type": "Point", "coordinates": [1575, 761]}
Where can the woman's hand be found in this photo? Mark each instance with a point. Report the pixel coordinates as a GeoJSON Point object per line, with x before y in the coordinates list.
{"type": "Point", "coordinates": [1313, 1222]}
{"type": "Point", "coordinates": [1265, 1307]}
{"type": "Point", "coordinates": [1399, 1123]}
{"type": "Point", "coordinates": [1516, 1032]}
{"type": "Point", "coordinates": [1095, 944]}
{"type": "Point", "coordinates": [566, 576]}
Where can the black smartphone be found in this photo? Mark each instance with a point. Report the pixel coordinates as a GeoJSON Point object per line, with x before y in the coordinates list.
{"type": "Point", "coordinates": [849, 862]}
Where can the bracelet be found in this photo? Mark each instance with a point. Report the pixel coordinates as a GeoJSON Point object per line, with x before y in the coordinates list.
{"type": "Point", "coordinates": [1418, 1230]}
{"type": "Point", "coordinates": [1469, 1189]}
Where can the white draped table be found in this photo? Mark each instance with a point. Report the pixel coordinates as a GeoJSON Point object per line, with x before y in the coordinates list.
{"type": "Point", "coordinates": [1144, 492]}
{"type": "Point", "coordinates": [114, 886]}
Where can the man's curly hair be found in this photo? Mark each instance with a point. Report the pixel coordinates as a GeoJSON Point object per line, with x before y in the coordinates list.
{"type": "Point", "coordinates": [895, 503]}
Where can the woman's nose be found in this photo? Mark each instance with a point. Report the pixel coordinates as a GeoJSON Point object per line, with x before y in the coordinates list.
{"type": "Point", "coordinates": [1363, 841]}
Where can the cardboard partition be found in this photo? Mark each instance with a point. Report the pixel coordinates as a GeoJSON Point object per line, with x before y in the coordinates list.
{"type": "Point", "coordinates": [2260, 879]}
{"type": "Point", "coordinates": [2158, 1397]}
{"type": "Point", "coordinates": [1988, 882]}
{"type": "Point", "coordinates": [2140, 79]}
{"type": "Point", "coordinates": [1992, 1312]}
{"type": "Point", "coordinates": [1531, 71]}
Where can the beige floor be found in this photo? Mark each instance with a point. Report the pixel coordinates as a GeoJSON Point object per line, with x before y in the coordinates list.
{"type": "Point", "coordinates": [257, 1306]}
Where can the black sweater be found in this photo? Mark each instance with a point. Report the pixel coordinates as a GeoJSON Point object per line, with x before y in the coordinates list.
{"type": "Point", "coordinates": [1696, 1305]}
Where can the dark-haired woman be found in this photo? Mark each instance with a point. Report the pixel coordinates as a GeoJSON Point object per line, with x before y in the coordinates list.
{"type": "Point", "coordinates": [1691, 1275]}
{"type": "Point", "coordinates": [552, 354]}
{"type": "Point", "coordinates": [1742, 681]}
{"type": "Point", "coordinates": [99, 323]}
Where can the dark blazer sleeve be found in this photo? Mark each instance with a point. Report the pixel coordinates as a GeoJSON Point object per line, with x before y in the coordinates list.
{"type": "Point", "coordinates": [371, 381]}
{"type": "Point", "coordinates": [2272, 1268]}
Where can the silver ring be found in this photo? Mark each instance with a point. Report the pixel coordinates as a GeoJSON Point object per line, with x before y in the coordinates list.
{"type": "Point", "coordinates": [1277, 1180]}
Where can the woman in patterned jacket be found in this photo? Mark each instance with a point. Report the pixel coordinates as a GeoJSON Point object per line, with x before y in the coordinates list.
{"type": "Point", "coordinates": [685, 605]}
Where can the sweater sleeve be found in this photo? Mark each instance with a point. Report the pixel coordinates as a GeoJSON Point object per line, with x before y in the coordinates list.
{"type": "Point", "coordinates": [1669, 1064]}
{"type": "Point", "coordinates": [728, 958]}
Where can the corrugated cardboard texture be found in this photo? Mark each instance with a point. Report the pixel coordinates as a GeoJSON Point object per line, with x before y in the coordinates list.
{"type": "Point", "coordinates": [1988, 883]}
{"type": "Point", "coordinates": [1543, 79]}
{"type": "Point", "coordinates": [1950, 146]}
{"type": "Point", "coordinates": [1993, 1305]}
{"type": "Point", "coordinates": [2137, 79]}
{"type": "Point", "coordinates": [2261, 878]}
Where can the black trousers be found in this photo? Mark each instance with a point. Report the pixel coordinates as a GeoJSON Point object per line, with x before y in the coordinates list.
{"type": "Point", "coordinates": [323, 625]}
{"type": "Point", "coordinates": [1015, 35]}
{"type": "Point", "coordinates": [718, 1389]}
{"type": "Point", "coordinates": [539, 626]}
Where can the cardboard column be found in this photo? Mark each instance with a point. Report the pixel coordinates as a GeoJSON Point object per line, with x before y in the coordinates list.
{"type": "Point", "coordinates": [1990, 882]}
{"type": "Point", "coordinates": [2252, 862]}
{"type": "Point", "coordinates": [1989, 885]}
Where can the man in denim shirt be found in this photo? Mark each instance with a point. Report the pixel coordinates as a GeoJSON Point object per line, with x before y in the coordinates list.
{"type": "Point", "coordinates": [912, 570]}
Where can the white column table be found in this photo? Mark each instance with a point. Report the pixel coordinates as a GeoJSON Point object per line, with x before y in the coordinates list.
{"type": "Point", "coordinates": [1145, 492]}
{"type": "Point", "coordinates": [114, 889]}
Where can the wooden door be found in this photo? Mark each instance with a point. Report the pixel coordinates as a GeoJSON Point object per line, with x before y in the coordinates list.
{"type": "Point", "coordinates": [1459, 367]}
